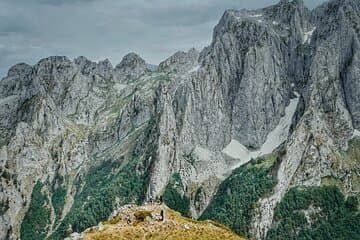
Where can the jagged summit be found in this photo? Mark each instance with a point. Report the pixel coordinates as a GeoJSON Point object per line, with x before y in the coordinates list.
{"type": "Point", "coordinates": [87, 66]}
{"type": "Point", "coordinates": [19, 69]}
{"type": "Point", "coordinates": [180, 61]}
{"type": "Point", "coordinates": [131, 60]}
{"type": "Point", "coordinates": [296, 2]}
{"type": "Point", "coordinates": [53, 60]}
{"type": "Point", "coordinates": [81, 60]}
{"type": "Point", "coordinates": [131, 66]}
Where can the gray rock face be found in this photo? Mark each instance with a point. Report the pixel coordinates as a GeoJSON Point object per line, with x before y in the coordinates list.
{"type": "Point", "coordinates": [329, 120]}
{"type": "Point", "coordinates": [181, 62]}
{"type": "Point", "coordinates": [209, 112]}
{"type": "Point", "coordinates": [131, 66]}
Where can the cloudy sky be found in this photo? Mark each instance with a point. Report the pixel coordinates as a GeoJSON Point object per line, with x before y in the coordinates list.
{"type": "Point", "coordinates": [99, 29]}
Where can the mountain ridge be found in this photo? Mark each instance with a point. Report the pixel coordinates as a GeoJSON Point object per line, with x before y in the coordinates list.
{"type": "Point", "coordinates": [91, 136]}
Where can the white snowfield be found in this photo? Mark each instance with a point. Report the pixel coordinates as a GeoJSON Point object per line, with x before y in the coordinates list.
{"type": "Point", "coordinates": [256, 15]}
{"type": "Point", "coordinates": [356, 133]}
{"type": "Point", "coordinates": [194, 69]}
{"type": "Point", "coordinates": [247, 15]}
{"type": "Point", "coordinates": [308, 35]}
{"type": "Point", "coordinates": [274, 139]}
{"type": "Point", "coordinates": [238, 151]}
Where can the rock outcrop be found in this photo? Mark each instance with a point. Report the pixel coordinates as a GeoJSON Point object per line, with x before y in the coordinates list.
{"type": "Point", "coordinates": [153, 222]}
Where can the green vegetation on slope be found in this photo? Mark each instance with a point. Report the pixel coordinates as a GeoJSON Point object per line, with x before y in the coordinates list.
{"type": "Point", "coordinates": [36, 222]}
{"type": "Point", "coordinates": [58, 201]}
{"type": "Point", "coordinates": [237, 195]}
{"type": "Point", "coordinates": [316, 213]}
{"type": "Point", "coordinates": [105, 186]}
{"type": "Point", "coordinates": [174, 199]}
{"type": "Point", "coordinates": [4, 206]}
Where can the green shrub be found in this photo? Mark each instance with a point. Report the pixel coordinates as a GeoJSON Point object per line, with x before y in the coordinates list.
{"type": "Point", "coordinates": [4, 206]}
{"type": "Point", "coordinates": [36, 222]}
{"type": "Point", "coordinates": [5, 174]}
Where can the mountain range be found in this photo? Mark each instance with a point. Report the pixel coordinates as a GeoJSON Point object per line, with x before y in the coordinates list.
{"type": "Point", "coordinates": [260, 131]}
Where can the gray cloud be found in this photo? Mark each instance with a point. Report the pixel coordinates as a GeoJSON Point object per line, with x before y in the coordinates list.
{"type": "Point", "coordinates": [98, 29]}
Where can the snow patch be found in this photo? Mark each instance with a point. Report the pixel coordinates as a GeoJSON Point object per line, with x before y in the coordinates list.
{"type": "Point", "coordinates": [236, 150]}
{"type": "Point", "coordinates": [8, 100]}
{"type": "Point", "coordinates": [194, 69]}
{"type": "Point", "coordinates": [307, 35]}
{"type": "Point", "coordinates": [281, 132]}
{"type": "Point", "coordinates": [274, 139]}
{"type": "Point", "coordinates": [275, 23]}
{"type": "Point", "coordinates": [256, 15]}
{"type": "Point", "coordinates": [246, 15]}
{"type": "Point", "coordinates": [356, 133]}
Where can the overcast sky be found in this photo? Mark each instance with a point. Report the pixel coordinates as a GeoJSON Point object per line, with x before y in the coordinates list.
{"type": "Point", "coordinates": [99, 29]}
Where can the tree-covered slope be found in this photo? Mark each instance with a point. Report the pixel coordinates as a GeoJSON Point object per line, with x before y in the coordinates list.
{"type": "Point", "coordinates": [237, 196]}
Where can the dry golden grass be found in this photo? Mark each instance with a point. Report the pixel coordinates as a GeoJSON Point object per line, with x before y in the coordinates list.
{"type": "Point", "coordinates": [174, 227]}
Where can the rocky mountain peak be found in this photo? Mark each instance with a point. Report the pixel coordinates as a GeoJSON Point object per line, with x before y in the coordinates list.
{"type": "Point", "coordinates": [81, 60]}
{"type": "Point", "coordinates": [86, 66]}
{"type": "Point", "coordinates": [288, 6]}
{"type": "Point", "coordinates": [296, 2]}
{"type": "Point", "coordinates": [19, 69]}
{"type": "Point", "coordinates": [54, 60]}
{"type": "Point", "coordinates": [131, 66]}
{"type": "Point", "coordinates": [180, 61]}
{"type": "Point", "coordinates": [291, 13]}
{"type": "Point", "coordinates": [131, 60]}
{"type": "Point", "coordinates": [54, 65]}
{"type": "Point", "coordinates": [106, 63]}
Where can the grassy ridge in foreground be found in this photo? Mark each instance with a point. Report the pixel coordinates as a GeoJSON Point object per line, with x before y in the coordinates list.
{"type": "Point", "coordinates": [173, 227]}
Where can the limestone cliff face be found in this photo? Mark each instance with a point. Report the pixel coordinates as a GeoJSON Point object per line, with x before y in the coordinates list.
{"type": "Point", "coordinates": [282, 74]}
{"type": "Point", "coordinates": [329, 120]}
{"type": "Point", "coordinates": [60, 117]}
